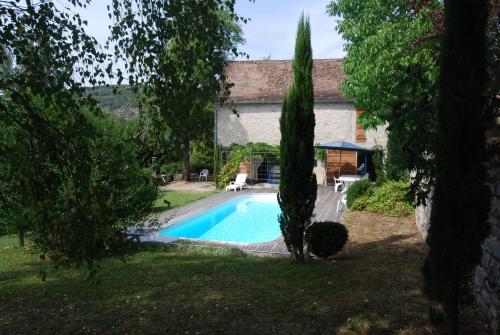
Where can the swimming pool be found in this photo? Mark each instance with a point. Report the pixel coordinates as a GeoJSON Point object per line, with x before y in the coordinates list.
{"type": "Point", "coordinates": [245, 219]}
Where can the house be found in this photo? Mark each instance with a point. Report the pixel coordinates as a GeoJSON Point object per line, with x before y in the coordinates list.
{"type": "Point", "coordinates": [257, 95]}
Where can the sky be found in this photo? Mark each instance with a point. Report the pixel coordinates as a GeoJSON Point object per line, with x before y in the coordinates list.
{"type": "Point", "coordinates": [271, 30]}
{"type": "Point", "coordinates": [273, 25]}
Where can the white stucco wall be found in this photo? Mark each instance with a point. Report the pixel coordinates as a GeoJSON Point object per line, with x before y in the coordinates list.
{"type": "Point", "coordinates": [320, 172]}
{"type": "Point", "coordinates": [376, 137]}
{"type": "Point", "coordinates": [260, 123]}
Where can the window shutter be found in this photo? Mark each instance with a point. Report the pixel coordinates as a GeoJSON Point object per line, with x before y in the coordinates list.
{"type": "Point", "coordinates": [360, 132]}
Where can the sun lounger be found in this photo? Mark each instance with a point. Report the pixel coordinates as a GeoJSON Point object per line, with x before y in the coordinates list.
{"type": "Point", "coordinates": [240, 182]}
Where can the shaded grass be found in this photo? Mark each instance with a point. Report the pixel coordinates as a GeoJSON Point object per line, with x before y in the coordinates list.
{"type": "Point", "coordinates": [372, 288]}
{"type": "Point", "coordinates": [177, 199]}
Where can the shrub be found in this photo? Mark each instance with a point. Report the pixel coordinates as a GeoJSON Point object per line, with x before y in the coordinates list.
{"type": "Point", "coordinates": [202, 155]}
{"type": "Point", "coordinates": [229, 170]}
{"type": "Point", "coordinates": [325, 239]}
{"type": "Point", "coordinates": [197, 166]}
{"type": "Point", "coordinates": [358, 189]}
{"type": "Point", "coordinates": [319, 154]}
{"type": "Point", "coordinates": [378, 164]}
{"type": "Point", "coordinates": [398, 158]}
{"type": "Point", "coordinates": [83, 204]}
{"type": "Point", "coordinates": [389, 198]}
{"type": "Point", "coordinates": [171, 167]}
{"type": "Point", "coordinates": [359, 204]}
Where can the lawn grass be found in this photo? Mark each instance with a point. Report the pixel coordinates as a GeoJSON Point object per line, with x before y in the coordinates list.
{"type": "Point", "coordinates": [177, 199]}
{"type": "Point", "coordinates": [373, 287]}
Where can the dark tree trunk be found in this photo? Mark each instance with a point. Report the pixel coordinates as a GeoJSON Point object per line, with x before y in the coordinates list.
{"type": "Point", "coordinates": [186, 160]}
{"type": "Point", "coordinates": [21, 238]}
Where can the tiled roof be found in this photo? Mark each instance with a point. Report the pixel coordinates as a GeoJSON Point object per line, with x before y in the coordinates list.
{"type": "Point", "coordinates": [267, 80]}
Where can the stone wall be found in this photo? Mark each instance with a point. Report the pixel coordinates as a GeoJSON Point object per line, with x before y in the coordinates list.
{"type": "Point", "coordinates": [320, 172]}
{"type": "Point", "coordinates": [259, 122]}
{"type": "Point", "coordinates": [423, 216]}
{"type": "Point", "coordinates": [487, 276]}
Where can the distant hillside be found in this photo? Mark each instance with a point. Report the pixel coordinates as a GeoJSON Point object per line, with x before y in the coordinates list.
{"type": "Point", "coordinates": [120, 104]}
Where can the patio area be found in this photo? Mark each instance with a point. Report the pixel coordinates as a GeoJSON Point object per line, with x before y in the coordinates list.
{"type": "Point", "coordinates": [190, 186]}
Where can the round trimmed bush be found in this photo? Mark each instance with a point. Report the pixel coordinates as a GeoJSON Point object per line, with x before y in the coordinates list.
{"type": "Point", "coordinates": [325, 239]}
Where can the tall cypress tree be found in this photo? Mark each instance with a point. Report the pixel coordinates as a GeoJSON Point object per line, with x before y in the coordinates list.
{"type": "Point", "coordinates": [461, 198]}
{"type": "Point", "coordinates": [297, 194]}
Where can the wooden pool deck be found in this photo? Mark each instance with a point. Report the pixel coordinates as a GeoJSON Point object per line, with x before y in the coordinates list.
{"type": "Point", "coordinates": [325, 210]}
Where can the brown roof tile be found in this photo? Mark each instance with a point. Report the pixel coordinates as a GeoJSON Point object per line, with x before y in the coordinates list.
{"type": "Point", "coordinates": [267, 80]}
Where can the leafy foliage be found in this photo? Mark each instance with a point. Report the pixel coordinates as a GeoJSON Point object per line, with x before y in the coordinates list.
{"type": "Point", "coordinates": [156, 142]}
{"type": "Point", "coordinates": [70, 176]}
{"type": "Point", "coordinates": [118, 100]}
{"type": "Point", "coordinates": [176, 52]}
{"type": "Point", "coordinates": [320, 154]}
{"type": "Point", "coordinates": [81, 214]}
{"type": "Point", "coordinates": [325, 239]}
{"type": "Point", "coordinates": [460, 209]}
{"type": "Point", "coordinates": [217, 164]}
{"type": "Point", "coordinates": [360, 188]}
{"type": "Point", "coordinates": [202, 152]}
{"type": "Point", "coordinates": [493, 60]}
{"type": "Point", "coordinates": [392, 67]}
{"type": "Point", "coordinates": [298, 187]}
{"type": "Point", "coordinates": [171, 168]}
{"type": "Point", "coordinates": [15, 210]}
{"type": "Point", "coordinates": [396, 163]}
{"type": "Point", "coordinates": [389, 198]}
{"type": "Point", "coordinates": [55, 160]}
{"type": "Point", "coordinates": [238, 154]}
{"type": "Point", "coordinates": [380, 175]}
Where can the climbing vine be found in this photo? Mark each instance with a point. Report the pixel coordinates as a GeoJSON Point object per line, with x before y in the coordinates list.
{"type": "Point", "coordinates": [320, 154]}
{"type": "Point", "coordinates": [237, 154]}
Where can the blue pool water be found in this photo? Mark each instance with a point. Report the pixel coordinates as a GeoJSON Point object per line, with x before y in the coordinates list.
{"type": "Point", "coordinates": [245, 219]}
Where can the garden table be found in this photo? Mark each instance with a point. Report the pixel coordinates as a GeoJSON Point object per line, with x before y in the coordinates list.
{"type": "Point", "coordinates": [348, 180]}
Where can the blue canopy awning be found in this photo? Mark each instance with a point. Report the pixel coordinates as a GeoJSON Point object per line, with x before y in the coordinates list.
{"type": "Point", "coordinates": [342, 145]}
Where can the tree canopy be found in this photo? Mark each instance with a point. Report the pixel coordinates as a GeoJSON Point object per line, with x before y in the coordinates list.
{"type": "Point", "coordinates": [392, 69]}
{"type": "Point", "coordinates": [176, 51]}
{"type": "Point", "coordinates": [69, 173]}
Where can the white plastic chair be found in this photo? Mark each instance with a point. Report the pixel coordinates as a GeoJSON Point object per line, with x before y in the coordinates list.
{"type": "Point", "coordinates": [203, 174]}
{"type": "Point", "coordinates": [338, 183]}
{"type": "Point", "coordinates": [342, 200]}
{"type": "Point", "coordinates": [240, 182]}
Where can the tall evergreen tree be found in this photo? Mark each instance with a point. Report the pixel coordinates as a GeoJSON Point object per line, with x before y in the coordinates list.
{"type": "Point", "coordinates": [297, 194]}
{"type": "Point", "coordinates": [461, 198]}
